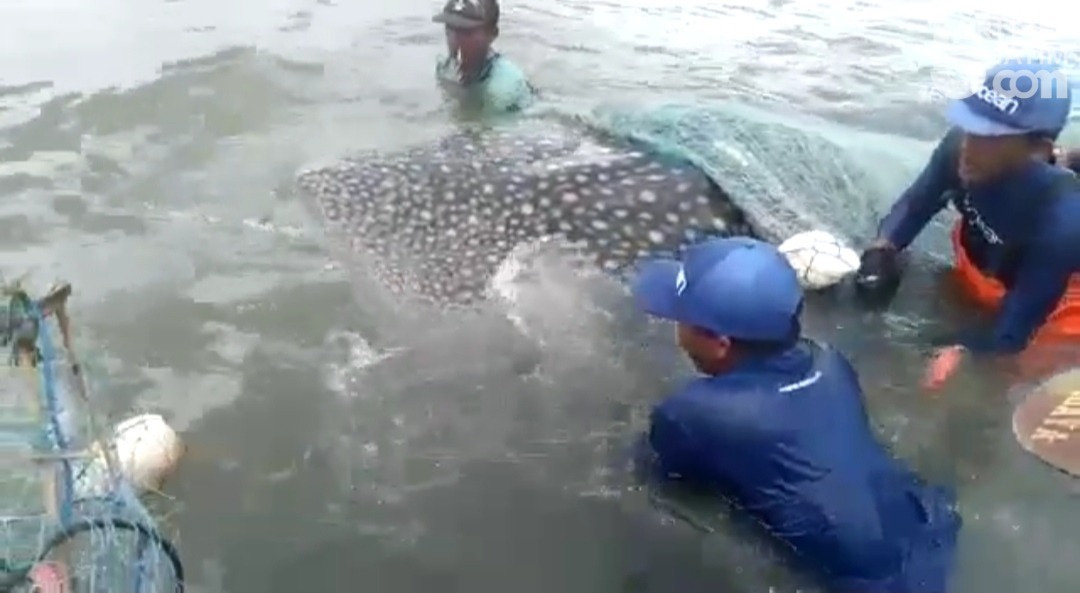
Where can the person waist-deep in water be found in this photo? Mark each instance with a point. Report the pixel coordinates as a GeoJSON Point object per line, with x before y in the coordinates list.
{"type": "Point", "coordinates": [1017, 243]}
{"type": "Point", "coordinates": [473, 71]}
{"type": "Point", "coordinates": [777, 425]}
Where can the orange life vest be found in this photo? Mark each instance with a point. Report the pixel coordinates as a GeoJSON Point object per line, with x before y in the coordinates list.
{"type": "Point", "coordinates": [987, 291]}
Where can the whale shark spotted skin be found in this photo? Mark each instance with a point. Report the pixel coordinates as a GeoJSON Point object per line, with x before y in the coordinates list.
{"type": "Point", "coordinates": [436, 221]}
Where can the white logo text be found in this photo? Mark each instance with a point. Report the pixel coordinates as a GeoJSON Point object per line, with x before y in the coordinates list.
{"type": "Point", "coordinates": [680, 282]}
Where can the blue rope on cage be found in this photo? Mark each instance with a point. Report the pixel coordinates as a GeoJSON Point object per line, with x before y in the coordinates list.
{"type": "Point", "coordinates": [59, 441]}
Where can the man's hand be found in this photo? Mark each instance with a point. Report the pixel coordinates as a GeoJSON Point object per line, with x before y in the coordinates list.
{"type": "Point", "coordinates": [878, 276]}
{"type": "Point", "coordinates": [942, 366]}
{"type": "Point", "coordinates": [1070, 159]}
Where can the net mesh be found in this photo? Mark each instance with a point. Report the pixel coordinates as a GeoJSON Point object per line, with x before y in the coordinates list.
{"type": "Point", "coordinates": [786, 176]}
{"type": "Point", "coordinates": [69, 520]}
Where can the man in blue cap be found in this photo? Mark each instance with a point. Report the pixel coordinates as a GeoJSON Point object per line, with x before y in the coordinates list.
{"type": "Point", "coordinates": [473, 71]}
{"type": "Point", "coordinates": [776, 424]}
{"type": "Point", "coordinates": [1017, 244]}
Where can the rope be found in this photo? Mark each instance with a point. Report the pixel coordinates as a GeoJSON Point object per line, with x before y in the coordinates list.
{"type": "Point", "coordinates": [60, 441]}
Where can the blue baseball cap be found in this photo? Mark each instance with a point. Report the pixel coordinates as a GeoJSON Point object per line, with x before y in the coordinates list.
{"type": "Point", "coordinates": [734, 287]}
{"type": "Point", "coordinates": [1016, 98]}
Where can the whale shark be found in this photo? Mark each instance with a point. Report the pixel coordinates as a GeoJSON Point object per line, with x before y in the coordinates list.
{"type": "Point", "coordinates": [436, 221]}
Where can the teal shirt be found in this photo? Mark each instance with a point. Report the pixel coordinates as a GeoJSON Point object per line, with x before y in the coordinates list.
{"type": "Point", "coordinates": [502, 87]}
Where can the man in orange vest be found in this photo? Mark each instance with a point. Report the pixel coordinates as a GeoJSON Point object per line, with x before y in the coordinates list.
{"type": "Point", "coordinates": [1017, 244]}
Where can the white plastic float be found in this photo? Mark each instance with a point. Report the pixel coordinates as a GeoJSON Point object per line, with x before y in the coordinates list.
{"type": "Point", "coordinates": [147, 451]}
{"type": "Point", "coordinates": [819, 258]}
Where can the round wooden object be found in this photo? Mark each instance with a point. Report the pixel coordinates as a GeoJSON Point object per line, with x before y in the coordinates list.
{"type": "Point", "coordinates": [1047, 423]}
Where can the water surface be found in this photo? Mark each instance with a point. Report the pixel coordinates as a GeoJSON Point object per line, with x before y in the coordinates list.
{"type": "Point", "coordinates": [148, 154]}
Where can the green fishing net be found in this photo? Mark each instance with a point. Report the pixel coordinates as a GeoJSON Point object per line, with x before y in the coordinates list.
{"type": "Point", "coordinates": [787, 176]}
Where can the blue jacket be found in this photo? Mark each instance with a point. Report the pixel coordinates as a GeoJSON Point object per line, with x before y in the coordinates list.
{"type": "Point", "coordinates": [787, 439]}
{"type": "Point", "coordinates": [1024, 230]}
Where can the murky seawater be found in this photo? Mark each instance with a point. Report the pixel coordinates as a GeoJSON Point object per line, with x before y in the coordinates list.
{"type": "Point", "coordinates": [148, 151]}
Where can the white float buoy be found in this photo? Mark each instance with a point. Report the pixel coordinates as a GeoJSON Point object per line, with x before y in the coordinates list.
{"type": "Point", "coordinates": [147, 450]}
{"type": "Point", "coordinates": [820, 259]}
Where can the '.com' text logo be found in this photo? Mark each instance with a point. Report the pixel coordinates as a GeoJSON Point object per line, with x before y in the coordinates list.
{"type": "Point", "coordinates": [1007, 85]}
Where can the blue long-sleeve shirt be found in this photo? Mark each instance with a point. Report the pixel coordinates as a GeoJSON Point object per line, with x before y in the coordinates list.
{"type": "Point", "coordinates": [1023, 230]}
{"type": "Point", "coordinates": [787, 439]}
